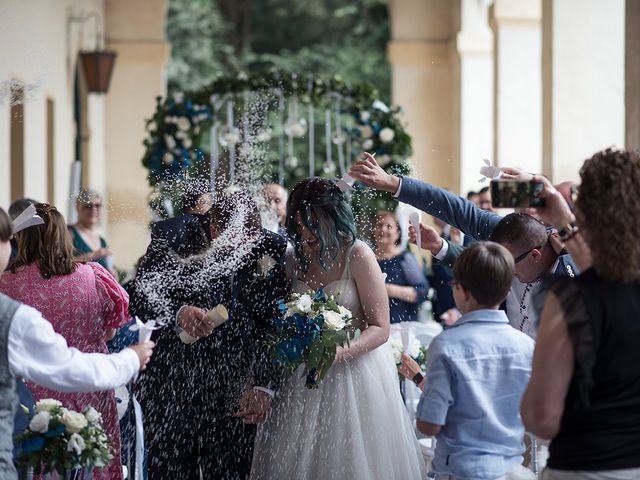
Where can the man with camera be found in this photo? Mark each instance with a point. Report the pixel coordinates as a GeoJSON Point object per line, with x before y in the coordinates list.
{"type": "Point", "coordinates": [537, 254]}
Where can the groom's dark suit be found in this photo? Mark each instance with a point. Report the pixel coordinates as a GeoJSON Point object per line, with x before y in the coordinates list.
{"type": "Point", "coordinates": [190, 392]}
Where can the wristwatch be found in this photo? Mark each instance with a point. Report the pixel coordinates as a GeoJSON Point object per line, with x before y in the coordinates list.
{"type": "Point", "coordinates": [417, 379]}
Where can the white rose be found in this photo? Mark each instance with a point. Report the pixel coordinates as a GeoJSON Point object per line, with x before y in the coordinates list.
{"type": "Point", "coordinates": [92, 415]}
{"type": "Point", "coordinates": [365, 115]}
{"type": "Point", "coordinates": [47, 404]}
{"type": "Point", "coordinates": [170, 142]}
{"type": "Point", "coordinates": [334, 320]}
{"type": "Point", "coordinates": [386, 135]}
{"type": "Point", "coordinates": [367, 144]}
{"type": "Point", "coordinates": [345, 312]}
{"type": "Point", "coordinates": [366, 131]}
{"type": "Point", "coordinates": [74, 421]}
{"type": "Point", "coordinates": [178, 97]}
{"type": "Point", "coordinates": [40, 422]}
{"type": "Point", "coordinates": [264, 265]}
{"type": "Point", "coordinates": [304, 303]}
{"type": "Point", "coordinates": [183, 124]}
{"type": "Point", "coordinates": [186, 143]}
{"type": "Point", "coordinates": [76, 444]}
{"type": "Point", "coordinates": [414, 349]}
{"type": "Point", "coordinates": [168, 158]}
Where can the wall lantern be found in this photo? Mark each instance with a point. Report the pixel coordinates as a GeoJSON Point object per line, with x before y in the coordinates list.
{"type": "Point", "coordinates": [98, 67]}
{"type": "Point", "coordinates": [97, 64]}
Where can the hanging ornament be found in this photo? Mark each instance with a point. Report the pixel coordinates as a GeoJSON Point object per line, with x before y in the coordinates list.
{"type": "Point", "coordinates": [312, 139]}
{"type": "Point", "coordinates": [338, 138]}
{"type": "Point", "coordinates": [265, 134]}
{"type": "Point", "coordinates": [292, 162]}
{"type": "Point", "coordinates": [329, 168]}
{"type": "Point", "coordinates": [229, 136]}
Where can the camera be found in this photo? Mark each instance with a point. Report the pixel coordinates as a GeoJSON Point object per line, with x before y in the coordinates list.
{"type": "Point", "coordinates": [514, 194]}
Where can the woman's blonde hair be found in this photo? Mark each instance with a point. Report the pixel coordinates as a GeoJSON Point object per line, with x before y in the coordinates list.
{"type": "Point", "coordinates": [48, 244]}
{"type": "Point", "coordinates": [608, 207]}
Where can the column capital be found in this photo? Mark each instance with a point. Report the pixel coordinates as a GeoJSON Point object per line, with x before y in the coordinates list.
{"type": "Point", "coordinates": [474, 42]}
{"type": "Point", "coordinates": [517, 11]}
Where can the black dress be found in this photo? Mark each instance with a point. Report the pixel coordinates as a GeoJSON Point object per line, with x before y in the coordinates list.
{"type": "Point", "coordinates": [600, 427]}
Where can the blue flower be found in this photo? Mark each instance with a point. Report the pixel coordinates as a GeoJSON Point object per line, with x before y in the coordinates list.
{"type": "Point", "coordinates": [34, 444]}
{"type": "Point", "coordinates": [55, 432]}
{"type": "Point", "coordinates": [320, 296]}
{"type": "Point", "coordinates": [282, 307]}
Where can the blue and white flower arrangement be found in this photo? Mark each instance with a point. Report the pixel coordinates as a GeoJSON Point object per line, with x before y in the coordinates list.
{"type": "Point", "coordinates": [60, 440]}
{"type": "Point", "coordinates": [308, 331]}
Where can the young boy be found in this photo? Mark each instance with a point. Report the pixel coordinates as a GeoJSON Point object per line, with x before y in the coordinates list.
{"type": "Point", "coordinates": [30, 348]}
{"type": "Point", "coordinates": [477, 371]}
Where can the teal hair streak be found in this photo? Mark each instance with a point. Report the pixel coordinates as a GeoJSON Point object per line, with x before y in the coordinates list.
{"type": "Point", "coordinates": [325, 210]}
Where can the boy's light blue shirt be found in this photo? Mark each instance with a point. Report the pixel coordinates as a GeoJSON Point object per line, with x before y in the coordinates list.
{"type": "Point", "coordinates": [477, 372]}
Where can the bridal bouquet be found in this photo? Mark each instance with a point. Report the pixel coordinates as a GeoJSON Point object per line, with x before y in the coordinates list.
{"type": "Point", "coordinates": [308, 331]}
{"type": "Point", "coordinates": [60, 440]}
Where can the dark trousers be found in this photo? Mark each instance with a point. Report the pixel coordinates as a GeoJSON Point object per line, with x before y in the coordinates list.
{"type": "Point", "coordinates": [204, 437]}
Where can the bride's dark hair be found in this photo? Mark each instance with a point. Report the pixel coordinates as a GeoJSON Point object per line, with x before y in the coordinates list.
{"type": "Point", "coordinates": [325, 210]}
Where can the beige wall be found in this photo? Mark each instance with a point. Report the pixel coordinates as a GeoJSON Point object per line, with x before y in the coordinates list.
{"type": "Point", "coordinates": [39, 48]}
{"type": "Point", "coordinates": [136, 31]}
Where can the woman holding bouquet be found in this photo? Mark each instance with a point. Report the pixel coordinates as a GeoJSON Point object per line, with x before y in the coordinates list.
{"type": "Point", "coordinates": [354, 424]}
{"type": "Point", "coordinates": [83, 302]}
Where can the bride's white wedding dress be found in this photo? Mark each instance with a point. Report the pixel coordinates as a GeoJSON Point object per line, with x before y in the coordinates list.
{"type": "Point", "coordinates": [353, 426]}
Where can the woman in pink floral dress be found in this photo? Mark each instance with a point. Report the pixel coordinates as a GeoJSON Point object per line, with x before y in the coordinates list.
{"type": "Point", "coordinates": [83, 302]}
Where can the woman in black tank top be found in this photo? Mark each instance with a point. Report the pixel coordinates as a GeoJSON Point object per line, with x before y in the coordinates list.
{"type": "Point", "coordinates": [584, 392]}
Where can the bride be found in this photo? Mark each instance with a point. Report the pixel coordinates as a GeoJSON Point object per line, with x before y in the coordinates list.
{"type": "Point", "coordinates": [354, 425]}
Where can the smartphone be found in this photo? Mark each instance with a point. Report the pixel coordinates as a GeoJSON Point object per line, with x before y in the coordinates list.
{"type": "Point", "coordinates": [514, 194]}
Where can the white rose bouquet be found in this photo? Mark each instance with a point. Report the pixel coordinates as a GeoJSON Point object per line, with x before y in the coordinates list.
{"type": "Point", "coordinates": [308, 331]}
{"type": "Point", "coordinates": [61, 440]}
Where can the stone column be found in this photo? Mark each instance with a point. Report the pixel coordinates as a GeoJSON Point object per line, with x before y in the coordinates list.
{"type": "Point", "coordinates": [632, 67]}
{"type": "Point", "coordinates": [518, 86]}
{"type": "Point", "coordinates": [474, 45]}
{"type": "Point", "coordinates": [423, 77]}
{"type": "Point", "coordinates": [584, 82]}
{"type": "Point", "coordinates": [136, 31]}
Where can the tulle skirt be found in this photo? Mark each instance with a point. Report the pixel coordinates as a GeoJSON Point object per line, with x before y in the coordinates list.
{"type": "Point", "coordinates": [353, 426]}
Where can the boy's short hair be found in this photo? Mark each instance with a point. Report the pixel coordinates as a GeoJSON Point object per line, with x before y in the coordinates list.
{"type": "Point", "coordinates": [486, 269]}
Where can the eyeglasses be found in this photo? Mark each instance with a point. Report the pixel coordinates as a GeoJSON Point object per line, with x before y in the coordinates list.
{"type": "Point", "coordinates": [89, 206]}
{"type": "Point", "coordinates": [519, 258]}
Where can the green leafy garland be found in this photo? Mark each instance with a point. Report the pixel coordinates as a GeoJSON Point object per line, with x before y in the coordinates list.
{"type": "Point", "coordinates": [181, 123]}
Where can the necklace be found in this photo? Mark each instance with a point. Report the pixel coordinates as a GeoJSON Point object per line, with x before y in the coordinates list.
{"type": "Point", "coordinates": [523, 307]}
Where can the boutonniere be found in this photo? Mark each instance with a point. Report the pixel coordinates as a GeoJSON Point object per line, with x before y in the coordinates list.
{"type": "Point", "coordinates": [264, 265]}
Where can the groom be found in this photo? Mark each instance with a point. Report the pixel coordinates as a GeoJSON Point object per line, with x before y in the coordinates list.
{"type": "Point", "coordinates": [202, 401]}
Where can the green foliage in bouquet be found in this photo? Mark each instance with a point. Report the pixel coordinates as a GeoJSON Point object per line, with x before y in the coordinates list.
{"type": "Point", "coordinates": [308, 331]}
{"type": "Point", "coordinates": [59, 440]}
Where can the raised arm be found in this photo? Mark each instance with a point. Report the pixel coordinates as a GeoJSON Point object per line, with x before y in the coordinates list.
{"type": "Point", "coordinates": [366, 272]}
{"type": "Point", "coordinates": [451, 209]}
